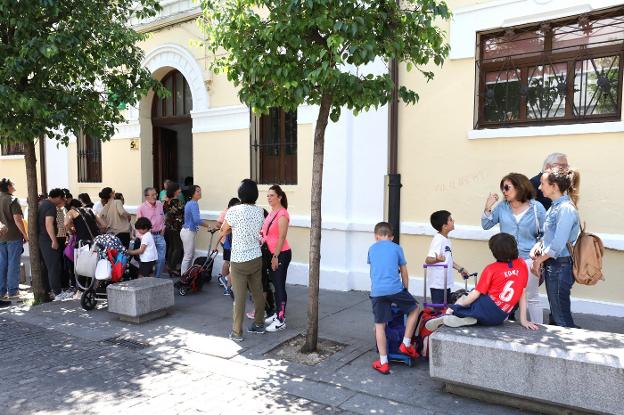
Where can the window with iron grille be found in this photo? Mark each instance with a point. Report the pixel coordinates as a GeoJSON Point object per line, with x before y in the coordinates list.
{"type": "Point", "coordinates": [274, 147]}
{"type": "Point", "coordinates": [89, 159]}
{"type": "Point", "coordinates": [557, 72]}
{"type": "Point", "coordinates": [12, 149]}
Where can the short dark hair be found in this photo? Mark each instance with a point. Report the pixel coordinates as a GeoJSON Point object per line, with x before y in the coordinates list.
{"type": "Point", "coordinates": [149, 189]}
{"type": "Point", "coordinates": [439, 218]}
{"type": "Point", "coordinates": [192, 190]}
{"type": "Point", "coordinates": [75, 203]}
{"type": "Point", "coordinates": [248, 192]}
{"type": "Point", "coordinates": [172, 189]}
{"type": "Point", "coordinates": [384, 229]}
{"type": "Point", "coordinates": [143, 223]}
{"type": "Point", "coordinates": [233, 202]}
{"type": "Point", "coordinates": [278, 191]}
{"type": "Point", "coordinates": [54, 193]}
{"type": "Point", "coordinates": [106, 193]}
{"type": "Point", "coordinates": [4, 185]}
{"type": "Point", "coordinates": [504, 247]}
{"type": "Point", "coordinates": [85, 199]}
{"type": "Point", "coordinates": [118, 196]}
{"type": "Point", "coordinates": [67, 194]}
{"type": "Point", "coordinates": [524, 189]}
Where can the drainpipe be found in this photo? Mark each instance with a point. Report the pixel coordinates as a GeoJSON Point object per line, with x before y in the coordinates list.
{"type": "Point", "coordinates": [394, 178]}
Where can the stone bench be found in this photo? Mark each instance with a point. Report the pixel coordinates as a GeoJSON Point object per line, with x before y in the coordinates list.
{"type": "Point", "coordinates": [140, 300]}
{"type": "Point", "coordinates": [553, 370]}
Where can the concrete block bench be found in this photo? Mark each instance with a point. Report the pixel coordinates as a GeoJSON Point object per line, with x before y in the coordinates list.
{"type": "Point", "coordinates": [140, 300]}
{"type": "Point", "coordinates": [553, 370]}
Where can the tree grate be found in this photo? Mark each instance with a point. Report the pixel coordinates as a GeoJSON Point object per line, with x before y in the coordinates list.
{"type": "Point", "coordinates": [127, 343]}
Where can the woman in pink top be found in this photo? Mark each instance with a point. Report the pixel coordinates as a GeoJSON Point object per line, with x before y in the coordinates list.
{"type": "Point", "coordinates": [274, 232]}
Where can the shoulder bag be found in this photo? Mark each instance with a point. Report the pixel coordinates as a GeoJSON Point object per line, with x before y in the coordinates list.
{"type": "Point", "coordinates": [538, 247]}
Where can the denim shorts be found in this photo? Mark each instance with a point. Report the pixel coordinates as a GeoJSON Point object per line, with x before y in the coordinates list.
{"type": "Point", "coordinates": [382, 310]}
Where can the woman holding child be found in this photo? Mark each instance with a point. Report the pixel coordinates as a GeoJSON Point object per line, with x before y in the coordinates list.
{"type": "Point", "coordinates": [521, 216]}
{"type": "Point", "coordinates": [561, 228]}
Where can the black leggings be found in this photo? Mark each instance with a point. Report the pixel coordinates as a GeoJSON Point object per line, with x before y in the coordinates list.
{"type": "Point", "coordinates": [279, 282]}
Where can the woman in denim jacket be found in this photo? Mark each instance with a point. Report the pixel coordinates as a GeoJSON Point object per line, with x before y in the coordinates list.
{"type": "Point", "coordinates": [521, 216]}
{"type": "Point", "coordinates": [560, 228]}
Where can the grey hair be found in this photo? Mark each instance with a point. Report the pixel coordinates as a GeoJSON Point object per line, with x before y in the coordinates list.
{"type": "Point", "coordinates": [552, 158]}
{"type": "Point", "coordinates": [147, 190]}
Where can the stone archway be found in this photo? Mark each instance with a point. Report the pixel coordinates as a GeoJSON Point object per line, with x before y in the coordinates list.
{"type": "Point", "coordinates": [161, 61]}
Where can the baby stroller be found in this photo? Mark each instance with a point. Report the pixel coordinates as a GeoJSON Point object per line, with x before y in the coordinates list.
{"type": "Point", "coordinates": [98, 265]}
{"type": "Point", "coordinates": [199, 273]}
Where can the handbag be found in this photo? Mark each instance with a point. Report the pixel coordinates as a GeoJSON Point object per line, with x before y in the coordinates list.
{"type": "Point", "coordinates": [103, 270]}
{"type": "Point", "coordinates": [538, 247]}
{"type": "Point", "coordinates": [266, 252]}
{"type": "Point", "coordinates": [85, 261]}
{"type": "Point", "coordinates": [69, 248]}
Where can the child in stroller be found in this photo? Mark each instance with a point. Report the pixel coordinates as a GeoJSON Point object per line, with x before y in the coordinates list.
{"type": "Point", "coordinates": [106, 247]}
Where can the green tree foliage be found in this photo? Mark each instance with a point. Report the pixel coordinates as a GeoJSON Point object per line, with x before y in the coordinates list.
{"type": "Point", "coordinates": [67, 66]}
{"type": "Point", "coordinates": [283, 53]}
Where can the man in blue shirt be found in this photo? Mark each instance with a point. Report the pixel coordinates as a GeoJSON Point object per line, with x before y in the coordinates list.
{"type": "Point", "coordinates": [389, 283]}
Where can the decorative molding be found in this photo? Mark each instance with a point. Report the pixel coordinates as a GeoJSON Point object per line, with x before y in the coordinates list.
{"type": "Point", "coordinates": [173, 11]}
{"type": "Point", "coordinates": [234, 117]}
{"type": "Point", "coordinates": [548, 130]}
{"type": "Point", "coordinates": [131, 129]}
{"type": "Point", "coordinates": [469, 20]}
{"type": "Point", "coordinates": [178, 57]}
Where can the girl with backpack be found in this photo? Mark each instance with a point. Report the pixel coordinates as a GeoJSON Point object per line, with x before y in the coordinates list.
{"type": "Point", "coordinates": [561, 227]}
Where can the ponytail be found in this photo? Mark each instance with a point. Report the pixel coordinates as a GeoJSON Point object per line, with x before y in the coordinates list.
{"type": "Point", "coordinates": [278, 191]}
{"type": "Point", "coordinates": [575, 182]}
{"type": "Point", "coordinates": [567, 180]}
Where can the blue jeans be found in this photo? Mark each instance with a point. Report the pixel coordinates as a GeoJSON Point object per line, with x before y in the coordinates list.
{"type": "Point", "coordinates": [559, 280]}
{"type": "Point", "coordinates": [10, 253]}
{"type": "Point", "coordinates": [161, 248]}
{"type": "Point", "coordinates": [483, 309]}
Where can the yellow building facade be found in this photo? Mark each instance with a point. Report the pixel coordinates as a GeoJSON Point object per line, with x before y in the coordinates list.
{"type": "Point", "coordinates": [446, 160]}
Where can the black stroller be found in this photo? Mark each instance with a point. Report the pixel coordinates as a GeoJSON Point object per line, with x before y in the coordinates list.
{"type": "Point", "coordinates": [199, 273]}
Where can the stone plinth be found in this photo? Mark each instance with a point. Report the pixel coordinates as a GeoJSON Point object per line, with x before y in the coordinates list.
{"type": "Point", "coordinates": [549, 369]}
{"type": "Point", "coordinates": [140, 300]}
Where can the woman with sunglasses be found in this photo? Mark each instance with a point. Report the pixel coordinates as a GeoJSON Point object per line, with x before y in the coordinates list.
{"type": "Point", "coordinates": [521, 216]}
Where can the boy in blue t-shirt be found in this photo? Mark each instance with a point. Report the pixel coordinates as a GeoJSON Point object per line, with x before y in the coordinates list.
{"type": "Point", "coordinates": [389, 287]}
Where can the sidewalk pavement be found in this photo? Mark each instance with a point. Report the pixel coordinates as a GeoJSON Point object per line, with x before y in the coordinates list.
{"type": "Point", "coordinates": [60, 359]}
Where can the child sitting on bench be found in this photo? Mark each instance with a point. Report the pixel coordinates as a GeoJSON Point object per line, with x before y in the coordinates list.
{"type": "Point", "coordinates": [499, 289]}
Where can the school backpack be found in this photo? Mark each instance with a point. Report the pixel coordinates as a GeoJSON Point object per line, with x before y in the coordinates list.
{"type": "Point", "coordinates": [587, 258]}
{"type": "Point", "coordinates": [421, 340]}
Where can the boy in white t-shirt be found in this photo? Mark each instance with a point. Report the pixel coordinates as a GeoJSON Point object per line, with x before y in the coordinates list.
{"type": "Point", "coordinates": [440, 252]}
{"type": "Point", "coordinates": [147, 251]}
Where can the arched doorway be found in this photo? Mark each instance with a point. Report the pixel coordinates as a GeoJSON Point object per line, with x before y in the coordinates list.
{"type": "Point", "coordinates": [172, 131]}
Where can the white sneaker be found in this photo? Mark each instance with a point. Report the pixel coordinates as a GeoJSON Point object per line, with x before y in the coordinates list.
{"type": "Point", "coordinates": [270, 319]}
{"type": "Point", "coordinates": [452, 320]}
{"type": "Point", "coordinates": [449, 320]}
{"type": "Point", "coordinates": [64, 296]}
{"type": "Point", "coordinates": [276, 325]}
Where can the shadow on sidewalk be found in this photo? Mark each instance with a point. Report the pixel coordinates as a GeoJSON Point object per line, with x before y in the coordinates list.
{"type": "Point", "coordinates": [68, 362]}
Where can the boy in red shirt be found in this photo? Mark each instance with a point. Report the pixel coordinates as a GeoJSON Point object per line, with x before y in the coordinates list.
{"type": "Point", "coordinates": [500, 288]}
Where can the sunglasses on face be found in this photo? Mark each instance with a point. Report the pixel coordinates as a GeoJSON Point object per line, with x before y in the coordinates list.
{"type": "Point", "coordinates": [507, 187]}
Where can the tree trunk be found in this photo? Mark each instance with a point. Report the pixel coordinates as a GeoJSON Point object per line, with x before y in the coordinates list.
{"type": "Point", "coordinates": [315, 226]}
{"type": "Point", "coordinates": [38, 286]}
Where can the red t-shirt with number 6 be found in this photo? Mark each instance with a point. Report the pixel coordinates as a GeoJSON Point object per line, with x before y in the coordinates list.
{"type": "Point", "coordinates": [504, 282]}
